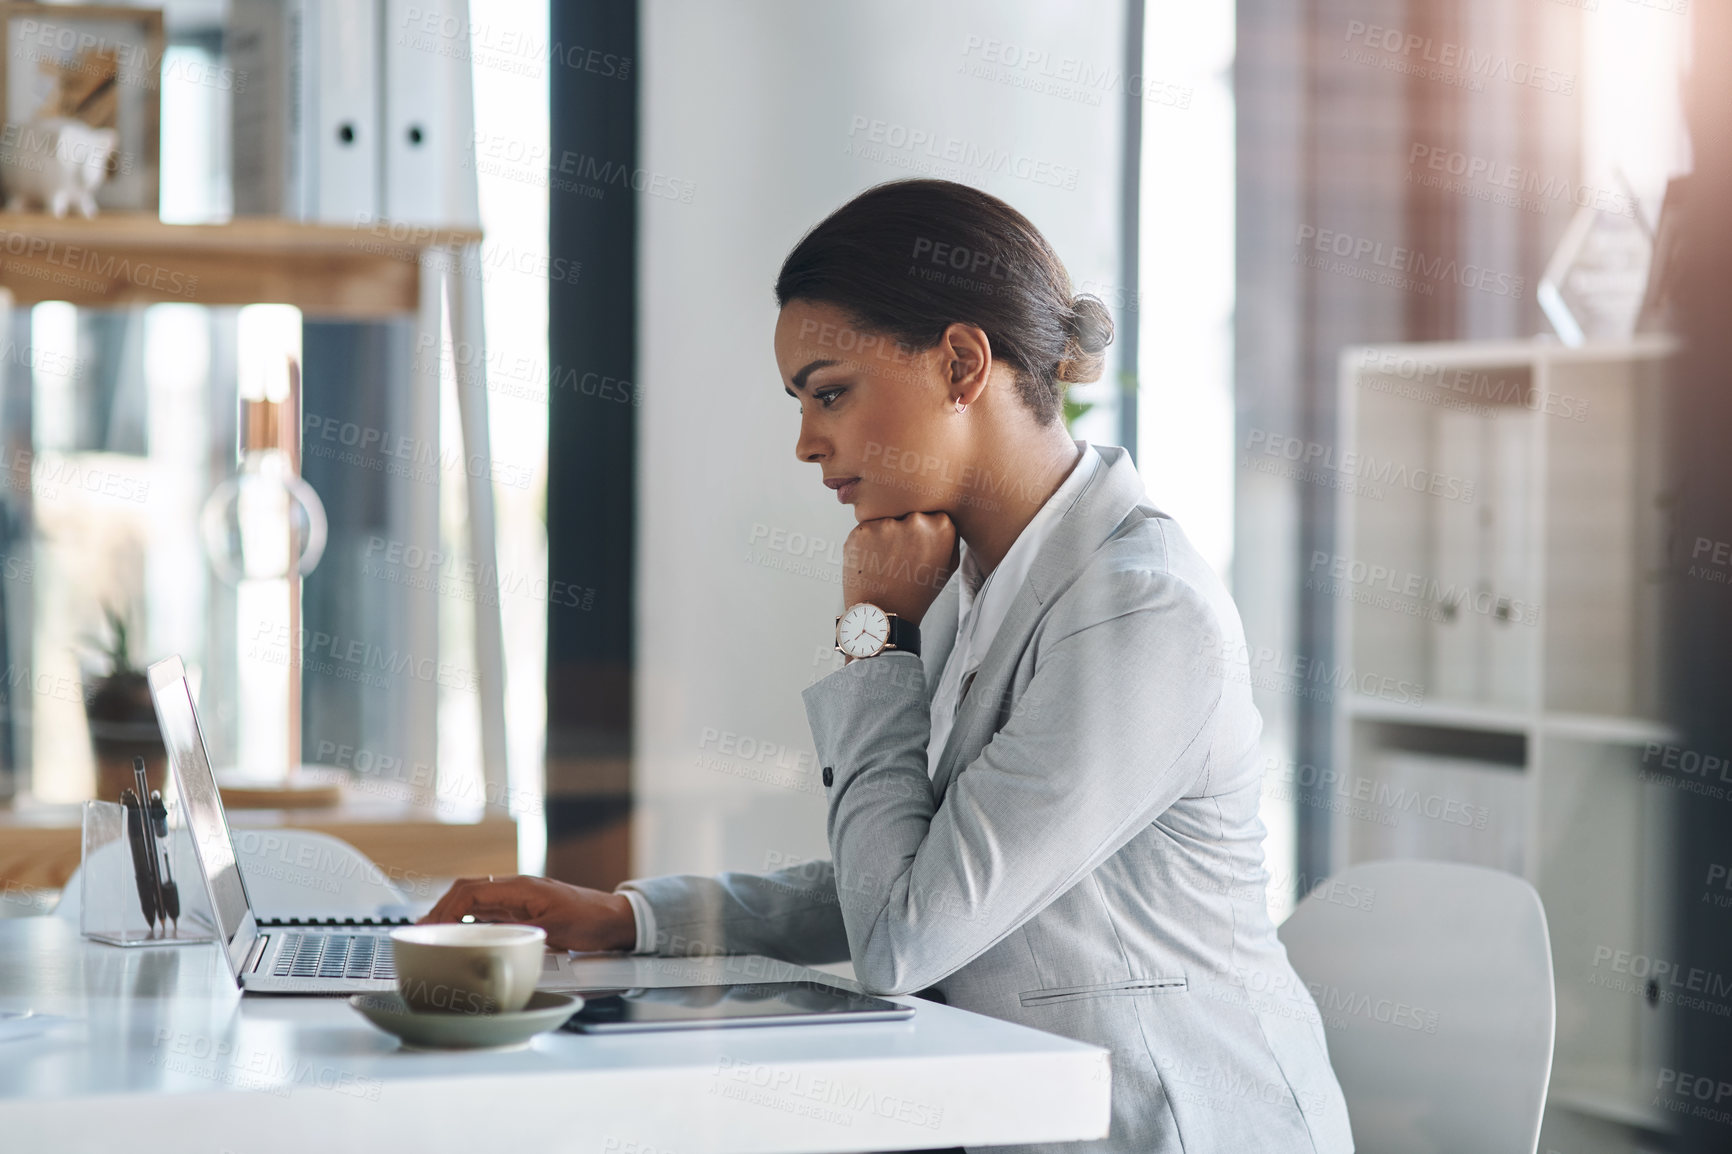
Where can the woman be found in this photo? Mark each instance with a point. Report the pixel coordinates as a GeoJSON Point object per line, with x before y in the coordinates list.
{"type": "Point", "coordinates": [1047, 811]}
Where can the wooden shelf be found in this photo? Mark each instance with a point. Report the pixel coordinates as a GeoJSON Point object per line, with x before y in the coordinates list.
{"type": "Point", "coordinates": [1499, 354]}
{"type": "Point", "coordinates": [1617, 730]}
{"type": "Point", "coordinates": [1503, 719]}
{"type": "Point", "coordinates": [1452, 715]}
{"type": "Point", "coordinates": [364, 271]}
{"type": "Point", "coordinates": [40, 845]}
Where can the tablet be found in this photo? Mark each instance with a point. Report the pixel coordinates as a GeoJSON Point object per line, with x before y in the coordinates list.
{"type": "Point", "coordinates": [708, 1007]}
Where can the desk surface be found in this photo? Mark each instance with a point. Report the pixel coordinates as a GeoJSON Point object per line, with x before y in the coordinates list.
{"type": "Point", "coordinates": [159, 1045]}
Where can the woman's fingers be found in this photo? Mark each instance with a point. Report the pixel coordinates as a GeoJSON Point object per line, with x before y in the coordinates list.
{"type": "Point", "coordinates": [441, 911]}
{"type": "Point", "coordinates": [467, 894]}
{"type": "Point", "coordinates": [899, 563]}
{"type": "Point", "coordinates": [574, 917]}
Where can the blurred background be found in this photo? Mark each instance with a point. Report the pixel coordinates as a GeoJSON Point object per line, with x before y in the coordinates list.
{"type": "Point", "coordinates": [1421, 311]}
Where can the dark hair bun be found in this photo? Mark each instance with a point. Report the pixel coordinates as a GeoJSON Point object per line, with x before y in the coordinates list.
{"type": "Point", "coordinates": [1091, 330]}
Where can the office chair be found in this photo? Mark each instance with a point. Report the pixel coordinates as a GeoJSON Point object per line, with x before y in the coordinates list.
{"type": "Point", "coordinates": [289, 873]}
{"type": "Point", "coordinates": [1437, 1002]}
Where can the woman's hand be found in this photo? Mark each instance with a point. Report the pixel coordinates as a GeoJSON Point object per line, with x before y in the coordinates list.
{"type": "Point", "coordinates": [899, 563]}
{"type": "Point", "coordinates": [574, 918]}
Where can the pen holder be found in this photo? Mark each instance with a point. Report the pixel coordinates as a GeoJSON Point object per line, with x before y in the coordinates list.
{"type": "Point", "coordinates": [111, 909]}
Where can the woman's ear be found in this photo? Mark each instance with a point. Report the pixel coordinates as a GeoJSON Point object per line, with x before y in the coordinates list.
{"type": "Point", "coordinates": [968, 355]}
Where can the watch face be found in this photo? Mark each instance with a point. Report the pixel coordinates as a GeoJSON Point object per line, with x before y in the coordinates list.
{"type": "Point", "coordinates": [863, 630]}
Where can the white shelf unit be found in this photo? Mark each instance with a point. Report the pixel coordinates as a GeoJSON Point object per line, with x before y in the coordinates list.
{"type": "Point", "coordinates": [1500, 557]}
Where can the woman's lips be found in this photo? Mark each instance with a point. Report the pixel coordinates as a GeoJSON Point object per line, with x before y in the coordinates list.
{"type": "Point", "coordinates": [845, 493]}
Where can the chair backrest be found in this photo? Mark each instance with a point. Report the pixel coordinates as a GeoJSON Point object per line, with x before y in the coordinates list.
{"type": "Point", "coordinates": [1434, 980]}
{"type": "Point", "coordinates": [290, 873]}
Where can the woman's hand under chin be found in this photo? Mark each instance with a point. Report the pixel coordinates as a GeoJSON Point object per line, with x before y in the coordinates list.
{"type": "Point", "coordinates": [899, 563]}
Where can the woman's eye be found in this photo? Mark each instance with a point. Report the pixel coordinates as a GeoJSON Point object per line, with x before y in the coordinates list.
{"type": "Point", "coordinates": [826, 399]}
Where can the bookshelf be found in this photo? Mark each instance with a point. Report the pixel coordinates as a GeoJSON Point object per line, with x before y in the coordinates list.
{"type": "Point", "coordinates": [366, 271]}
{"type": "Point", "coordinates": [1504, 549]}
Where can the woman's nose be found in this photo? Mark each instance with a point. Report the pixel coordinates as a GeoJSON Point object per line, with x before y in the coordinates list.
{"type": "Point", "coordinates": [807, 447]}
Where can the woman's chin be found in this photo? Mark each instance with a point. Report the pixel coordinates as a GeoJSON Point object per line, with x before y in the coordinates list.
{"type": "Point", "coordinates": [870, 510]}
{"type": "Point", "coordinates": [879, 504]}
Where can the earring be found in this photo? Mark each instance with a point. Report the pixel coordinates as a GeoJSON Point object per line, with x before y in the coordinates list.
{"type": "Point", "coordinates": [961, 406]}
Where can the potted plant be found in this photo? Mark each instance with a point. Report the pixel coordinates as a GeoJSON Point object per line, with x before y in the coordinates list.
{"type": "Point", "coordinates": [122, 719]}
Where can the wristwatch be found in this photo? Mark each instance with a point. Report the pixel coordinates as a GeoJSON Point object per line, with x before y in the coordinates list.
{"type": "Point", "coordinates": [864, 630]}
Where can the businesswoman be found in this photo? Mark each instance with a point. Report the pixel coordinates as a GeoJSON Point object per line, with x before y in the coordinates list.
{"type": "Point", "coordinates": [1040, 757]}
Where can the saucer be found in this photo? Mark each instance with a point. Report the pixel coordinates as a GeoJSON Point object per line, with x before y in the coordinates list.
{"type": "Point", "coordinates": [434, 1031]}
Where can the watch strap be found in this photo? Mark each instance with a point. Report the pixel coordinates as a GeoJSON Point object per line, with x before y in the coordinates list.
{"type": "Point", "coordinates": [904, 634]}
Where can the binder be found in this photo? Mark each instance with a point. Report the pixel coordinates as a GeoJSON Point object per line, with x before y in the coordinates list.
{"type": "Point", "coordinates": [1445, 808]}
{"type": "Point", "coordinates": [272, 153]}
{"type": "Point", "coordinates": [1457, 564]}
{"type": "Point", "coordinates": [347, 116]}
{"type": "Point", "coordinates": [307, 108]}
{"type": "Point", "coordinates": [1509, 630]}
{"type": "Point", "coordinates": [428, 135]}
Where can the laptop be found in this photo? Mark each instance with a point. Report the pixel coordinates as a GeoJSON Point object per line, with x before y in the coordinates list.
{"type": "Point", "coordinates": [302, 955]}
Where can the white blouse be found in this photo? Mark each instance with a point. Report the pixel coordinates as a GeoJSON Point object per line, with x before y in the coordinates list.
{"type": "Point", "coordinates": [984, 601]}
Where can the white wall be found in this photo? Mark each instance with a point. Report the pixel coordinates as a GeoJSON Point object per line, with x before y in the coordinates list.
{"type": "Point", "coordinates": [757, 104]}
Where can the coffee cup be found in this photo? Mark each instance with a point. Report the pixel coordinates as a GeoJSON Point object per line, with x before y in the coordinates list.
{"type": "Point", "coordinates": [468, 968]}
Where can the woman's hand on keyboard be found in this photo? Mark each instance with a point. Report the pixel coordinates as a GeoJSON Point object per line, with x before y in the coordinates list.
{"type": "Point", "coordinates": [575, 918]}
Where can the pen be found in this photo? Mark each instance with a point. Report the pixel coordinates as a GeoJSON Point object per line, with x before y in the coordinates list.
{"type": "Point", "coordinates": [138, 773]}
{"type": "Point", "coordinates": [141, 870]}
{"type": "Point", "coordinates": [170, 891]}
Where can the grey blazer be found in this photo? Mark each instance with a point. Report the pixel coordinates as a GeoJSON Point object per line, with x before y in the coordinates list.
{"type": "Point", "coordinates": [1087, 860]}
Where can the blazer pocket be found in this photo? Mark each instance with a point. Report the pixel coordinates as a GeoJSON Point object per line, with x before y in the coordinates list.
{"type": "Point", "coordinates": [1053, 994]}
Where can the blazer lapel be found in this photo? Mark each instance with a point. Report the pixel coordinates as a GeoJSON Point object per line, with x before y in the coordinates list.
{"type": "Point", "coordinates": [1114, 490]}
{"type": "Point", "coordinates": [938, 634]}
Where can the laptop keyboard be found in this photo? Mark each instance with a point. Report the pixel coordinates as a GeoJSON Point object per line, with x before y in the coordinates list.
{"type": "Point", "coordinates": [335, 956]}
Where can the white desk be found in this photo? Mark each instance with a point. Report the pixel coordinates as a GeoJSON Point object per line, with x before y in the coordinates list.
{"type": "Point", "coordinates": [165, 1055]}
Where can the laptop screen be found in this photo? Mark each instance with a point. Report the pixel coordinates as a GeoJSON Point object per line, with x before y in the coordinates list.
{"type": "Point", "coordinates": [201, 804]}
